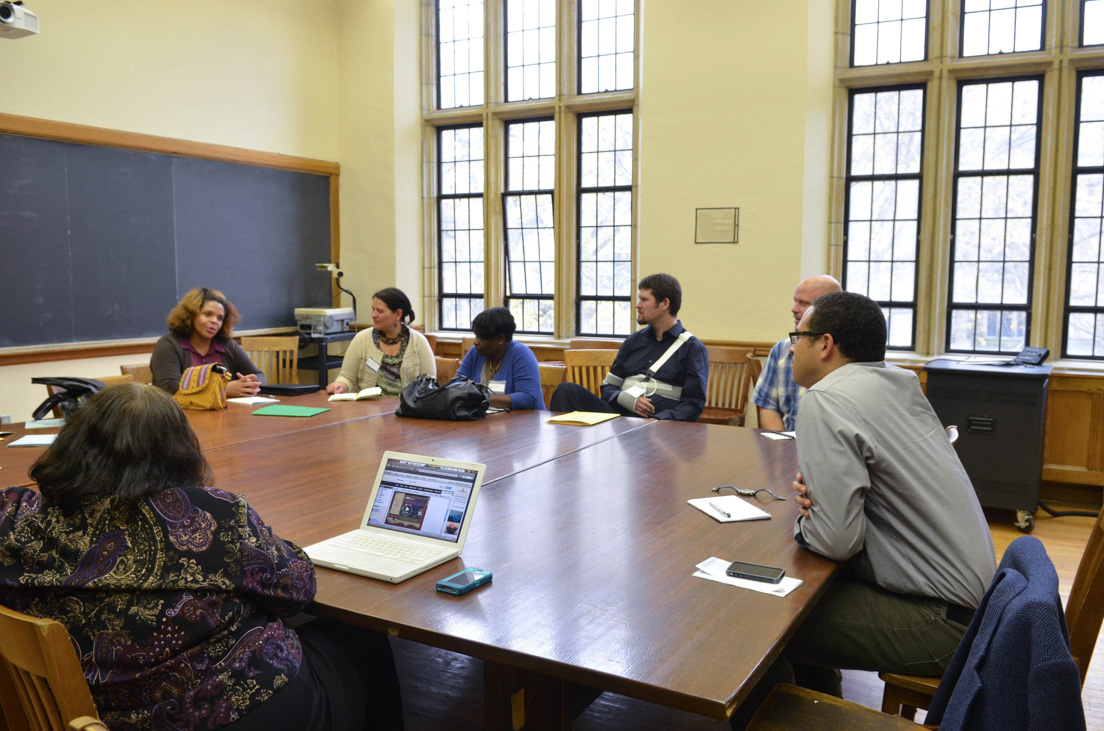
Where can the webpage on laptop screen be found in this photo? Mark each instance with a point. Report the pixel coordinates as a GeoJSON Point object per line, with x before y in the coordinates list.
{"type": "Point", "coordinates": [426, 500]}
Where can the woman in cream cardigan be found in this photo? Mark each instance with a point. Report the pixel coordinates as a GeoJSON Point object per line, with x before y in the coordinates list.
{"type": "Point", "coordinates": [390, 355]}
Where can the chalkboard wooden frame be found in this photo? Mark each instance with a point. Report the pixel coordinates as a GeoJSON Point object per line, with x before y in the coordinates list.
{"type": "Point", "coordinates": [205, 166]}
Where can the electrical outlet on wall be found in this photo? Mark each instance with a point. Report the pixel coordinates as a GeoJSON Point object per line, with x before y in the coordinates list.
{"type": "Point", "coordinates": [5, 418]}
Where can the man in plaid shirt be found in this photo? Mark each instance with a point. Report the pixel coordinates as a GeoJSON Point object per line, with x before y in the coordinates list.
{"type": "Point", "coordinates": [776, 395]}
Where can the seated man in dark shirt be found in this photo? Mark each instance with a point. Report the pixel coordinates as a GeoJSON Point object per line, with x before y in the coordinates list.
{"type": "Point", "coordinates": [660, 371]}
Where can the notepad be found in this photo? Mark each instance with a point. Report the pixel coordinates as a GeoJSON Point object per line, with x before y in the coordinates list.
{"type": "Point", "coordinates": [285, 410]}
{"type": "Point", "coordinates": [582, 418]}
{"type": "Point", "coordinates": [44, 424]}
{"type": "Point", "coordinates": [34, 440]}
{"type": "Point", "coordinates": [737, 508]}
{"type": "Point", "coordinates": [370, 392]}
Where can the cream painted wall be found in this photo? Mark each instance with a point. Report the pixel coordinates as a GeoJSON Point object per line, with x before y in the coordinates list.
{"type": "Point", "coordinates": [258, 74]}
{"type": "Point", "coordinates": [726, 121]}
{"type": "Point", "coordinates": [381, 195]}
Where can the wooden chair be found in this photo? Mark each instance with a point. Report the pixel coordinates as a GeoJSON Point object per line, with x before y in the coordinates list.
{"type": "Point", "coordinates": [466, 344]}
{"type": "Point", "coordinates": [594, 344]}
{"type": "Point", "coordinates": [588, 368]}
{"type": "Point", "coordinates": [107, 381]}
{"type": "Point", "coordinates": [731, 380]}
{"type": "Point", "coordinates": [41, 681]}
{"type": "Point", "coordinates": [276, 356]}
{"type": "Point", "coordinates": [432, 339]}
{"type": "Point", "coordinates": [446, 368]}
{"type": "Point", "coordinates": [139, 371]}
{"type": "Point", "coordinates": [551, 375]}
{"type": "Point", "coordinates": [904, 694]}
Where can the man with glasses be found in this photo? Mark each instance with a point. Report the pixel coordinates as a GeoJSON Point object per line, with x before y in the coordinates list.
{"type": "Point", "coordinates": [776, 395]}
{"type": "Point", "coordinates": [879, 487]}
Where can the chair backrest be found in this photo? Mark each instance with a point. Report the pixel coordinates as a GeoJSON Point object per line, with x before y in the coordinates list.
{"type": "Point", "coordinates": [551, 375]}
{"type": "Point", "coordinates": [594, 344]}
{"type": "Point", "coordinates": [106, 380]}
{"type": "Point", "coordinates": [276, 355]}
{"type": "Point", "coordinates": [1085, 607]}
{"type": "Point", "coordinates": [42, 685]}
{"type": "Point", "coordinates": [588, 368]}
{"type": "Point", "coordinates": [140, 372]}
{"type": "Point", "coordinates": [432, 340]}
{"type": "Point", "coordinates": [446, 368]}
{"type": "Point", "coordinates": [731, 378]}
{"type": "Point", "coordinates": [466, 344]}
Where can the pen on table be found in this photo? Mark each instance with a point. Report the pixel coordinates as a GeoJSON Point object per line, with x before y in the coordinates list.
{"type": "Point", "coordinates": [781, 434]}
{"type": "Point", "coordinates": [716, 507]}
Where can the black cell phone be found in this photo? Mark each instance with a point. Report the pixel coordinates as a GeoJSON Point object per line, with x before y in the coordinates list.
{"type": "Point", "coordinates": [755, 572]}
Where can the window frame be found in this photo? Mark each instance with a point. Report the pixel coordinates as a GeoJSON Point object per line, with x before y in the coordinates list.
{"type": "Point", "coordinates": [957, 175]}
{"type": "Point", "coordinates": [1058, 63]}
{"type": "Point", "coordinates": [1075, 171]}
{"type": "Point", "coordinates": [493, 115]}
{"type": "Point", "coordinates": [918, 176]}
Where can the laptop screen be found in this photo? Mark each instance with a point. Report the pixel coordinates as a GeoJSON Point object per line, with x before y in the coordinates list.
{"type": "Point", "coordinates": [423, 499]}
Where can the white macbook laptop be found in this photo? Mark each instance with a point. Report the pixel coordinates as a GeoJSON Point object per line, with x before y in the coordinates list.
{"type": "Point", "coordinates": [418, 516]}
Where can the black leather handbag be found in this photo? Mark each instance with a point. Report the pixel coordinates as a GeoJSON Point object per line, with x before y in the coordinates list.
{"type": "Point", "coordinates": [461, 399]}
{"type": "Point", "coordinates": [77, 391]}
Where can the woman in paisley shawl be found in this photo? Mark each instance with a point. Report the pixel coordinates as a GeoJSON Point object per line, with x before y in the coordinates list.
{"type": "Point", "coordinates": [176, 593]}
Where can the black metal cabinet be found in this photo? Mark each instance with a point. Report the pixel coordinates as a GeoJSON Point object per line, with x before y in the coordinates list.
{"type": "Point", "coordinates": [1000, 412]}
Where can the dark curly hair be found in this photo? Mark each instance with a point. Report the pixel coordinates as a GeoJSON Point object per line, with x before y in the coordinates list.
{"type": "Point", "coordinates": [183, 316]}
{"type": "Point", "coordinates": [128, 441]}
{"type": "Point", "coordinates": [856, 323]}
{"type": "Point", "coordinates": [664, 287]}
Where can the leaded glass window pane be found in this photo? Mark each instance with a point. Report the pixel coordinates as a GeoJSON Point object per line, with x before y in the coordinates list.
{"type": "Point", "coordinates": [1092, 22]}
{"type": "Point", "coordinates": [994, 216]}
{"type": "Point", "coordinates": [530, 230]}
{"type": "Point", "coordinates": [459, 53]}
{"type": "Point", "coordinates": [1084, 333]}
{"type": "Point", "coordinates": [460, 238]}
{"type": "Point", "coordinates": [991, 27]}
{"type": "Point", "coordinates": [607, 45]}
{"type": "Point", "coordinates": [888, 31]}
{"type": "Point", "coordinates": [883, 204]}
{"type": "Point", "coordinates": [605, 224]}
{"type": "Point", "coordinates": [530, 49]}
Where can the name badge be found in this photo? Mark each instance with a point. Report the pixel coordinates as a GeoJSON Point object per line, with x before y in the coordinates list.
{"type": "Point", "coordinates": [636, 391]}
{"type": "Point", "coordinates": [372, 364]}
{"type": "Point", "coordinates": [497, 386]}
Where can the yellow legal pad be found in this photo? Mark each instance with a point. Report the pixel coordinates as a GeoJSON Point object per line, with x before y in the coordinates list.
{"type": "Point", "coordinates": [582, 418]}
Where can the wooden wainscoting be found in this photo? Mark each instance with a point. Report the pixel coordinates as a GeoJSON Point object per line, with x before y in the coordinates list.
{"type": "Point", "coordinates": [1073, 444]}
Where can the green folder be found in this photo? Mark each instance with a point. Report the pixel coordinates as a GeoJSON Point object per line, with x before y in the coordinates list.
{"type": "Point", "coordinates": [284, 410]}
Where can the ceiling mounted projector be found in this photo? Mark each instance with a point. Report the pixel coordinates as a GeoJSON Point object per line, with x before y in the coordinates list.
{"type": "Point", "coordinates": [16, 21]}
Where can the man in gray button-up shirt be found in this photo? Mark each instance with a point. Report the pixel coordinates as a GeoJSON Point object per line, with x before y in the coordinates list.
{"type": "Point", "coordinates": [881, 488]}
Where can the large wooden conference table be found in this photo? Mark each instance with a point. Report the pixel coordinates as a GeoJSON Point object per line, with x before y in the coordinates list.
{"type": "Point", "coordinates": [586, 529]}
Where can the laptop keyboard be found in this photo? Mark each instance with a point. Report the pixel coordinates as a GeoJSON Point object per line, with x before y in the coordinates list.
{"type": "Point", "coordinates": [381, 546]}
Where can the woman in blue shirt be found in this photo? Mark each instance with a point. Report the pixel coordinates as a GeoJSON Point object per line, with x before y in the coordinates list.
{"type": "Point", "coordinates": [507, 367]}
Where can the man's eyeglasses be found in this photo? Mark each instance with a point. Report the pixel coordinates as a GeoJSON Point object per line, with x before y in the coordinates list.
{"type": "Point", "coordinates": [801, 333]}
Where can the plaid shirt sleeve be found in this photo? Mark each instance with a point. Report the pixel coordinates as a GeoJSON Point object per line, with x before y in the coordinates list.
{"type": "Point", "coordinates": [776, 390]}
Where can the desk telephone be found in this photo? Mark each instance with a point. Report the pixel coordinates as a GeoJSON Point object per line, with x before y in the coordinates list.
{"type": "Point", "coordinates": [1031, 356]}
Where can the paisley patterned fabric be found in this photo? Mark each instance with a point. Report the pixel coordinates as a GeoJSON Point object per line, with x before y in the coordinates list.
{"type": "Point", "coordinates": [173, 601]}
